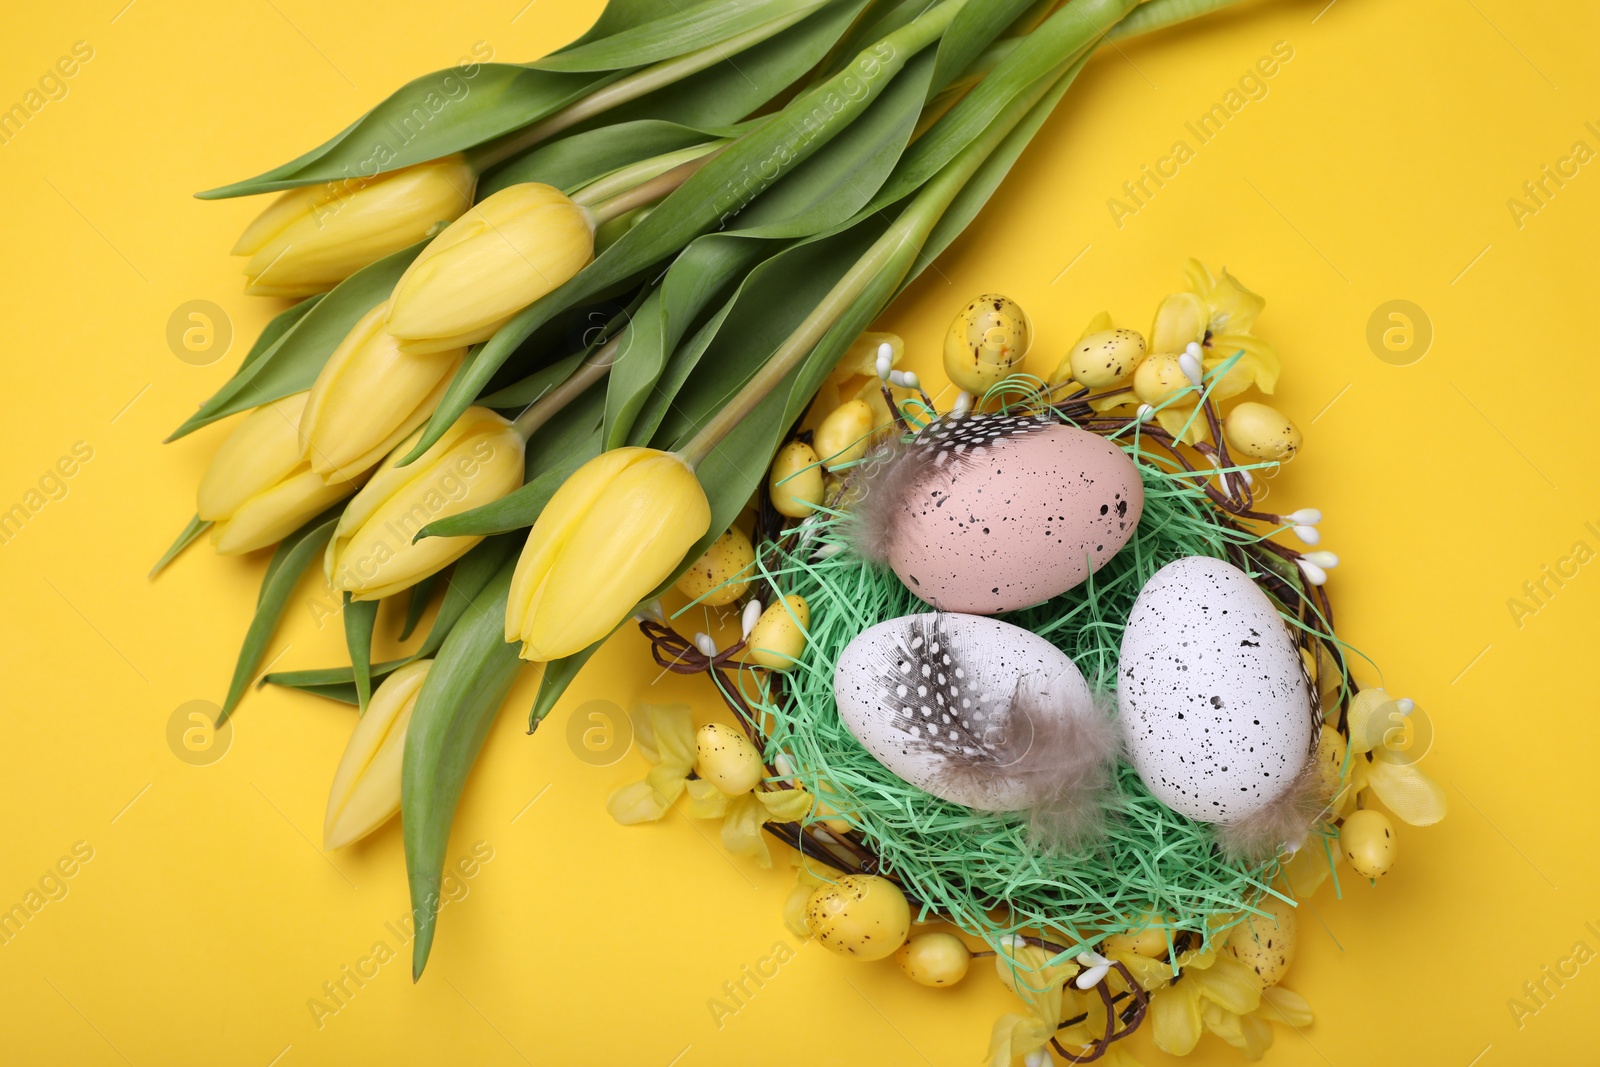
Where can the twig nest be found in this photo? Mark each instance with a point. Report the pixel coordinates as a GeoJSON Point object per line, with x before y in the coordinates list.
{"type": "Point", "coordinates": [987, 342]}
{"type": "Point", "coordinates": [778, 639]}
{"type": "Point", "coordinates": [1367, 841]}
{"type": "Point", "coordinates": [1106, 358]}
{"type": "Point", "coordinates": [1266, 943]}
{"type": "Point", "coordinates": [795, 484]}
{"type": "Point", "coordinates": [721, 576]}
{"type": "Point", "coordinates": [861, 916]}
{"type": "Point", "coordinates": [1261, 431]}
{"type": "Point", "coordinates": [726, 758]}
{"type": "Point", "coordinates": [989, 513]}
{"type": "Point", "coordinates": [936, 959]}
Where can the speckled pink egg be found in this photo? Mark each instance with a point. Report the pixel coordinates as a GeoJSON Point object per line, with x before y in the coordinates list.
{"type": "Point", "coordinates": [1007, 511]}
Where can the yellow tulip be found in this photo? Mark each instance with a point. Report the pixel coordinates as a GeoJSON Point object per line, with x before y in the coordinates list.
{"type": "Point", "coordinates": [372, 555]}
{"type": "Point", "coordinates": [259, 489]}
{"type": "Point", "coordinates": [502, 255]}
{"type": "Point", "coordinates": [310, 239]}
{"type": "Point", "coordinates": [366, 787]}
{"type": "Point", "coordinates": [614, 531]}
{"type": "Point", "coordinates": [369, 396]}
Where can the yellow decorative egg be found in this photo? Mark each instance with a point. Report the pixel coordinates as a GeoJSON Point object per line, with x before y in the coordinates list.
{"type": "Point", "coordinates": [861, 916]}
{"type": "Point", "coordinates": [987, 343]}
{"type": "Point", "coordinates": [844, 434]}
{"type": "Point", "coordinates": [725, 757]}
{"type": "Point", "coordinates": [934, 959]}
{"type": "Point", "coordinates": [1159, 378]}
{"type": "Point", "coordinates": [722, 575]}
{"type": "Point", "coordinates": [1266, 943]}
{"type": "Point", "coordinates": [778, 638]}
{"type": "Point", "coordinates": [1367, 841]}
{"type": "Point", "coordinates": [1148, 937]}
{"type": "Point", "coordinates": [1330, 761]}
{"type": "Point", "coordinates": [795, 483]}
{"type": "Point", "coordinates": [1261, 431]}
{"type": "Point", "coordinates": [1105, 358]}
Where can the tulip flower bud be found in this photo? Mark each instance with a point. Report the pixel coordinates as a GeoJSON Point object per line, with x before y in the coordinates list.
{"type": "Point", "coordinates": [616, 529]}
{"type": "Point", "coordinates": [369, 396]}
{"type": "Point", "coordinates": [502, 255]}
{"type": "Point", "coordinates": [366, 787]}
{"type": "Point", "coordinates": [259, 489]}
{"type": "Point", "coordinates": [310, 239]}
{"type": "Point", "coordinates": [372, 554]}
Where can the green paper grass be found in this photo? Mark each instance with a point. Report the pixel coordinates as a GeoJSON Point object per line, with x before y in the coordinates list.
{"type": "Point", "coordinates": [975, 868]}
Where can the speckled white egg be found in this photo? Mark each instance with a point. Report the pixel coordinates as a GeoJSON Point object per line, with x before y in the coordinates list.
{"type": "Point", "coordinates": [1009, 511]}
{"type": "Point", "coordinates": [935, 697]}
{"type": "Point", "coordinates": [1214, 706]}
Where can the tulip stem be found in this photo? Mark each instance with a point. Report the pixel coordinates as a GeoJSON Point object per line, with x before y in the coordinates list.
{"type": "Point", "coordinates": [648, 192]}
{"type": "Point", "coordinates": [634, 86]}
{"type": "Point", "coordinates": [620, 181]}
{"type": "Point", "coordinates": [545, 408]}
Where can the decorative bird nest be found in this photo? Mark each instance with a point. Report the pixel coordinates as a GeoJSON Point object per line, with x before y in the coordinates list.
{"type": "Point", "coordinates": [978, 870]}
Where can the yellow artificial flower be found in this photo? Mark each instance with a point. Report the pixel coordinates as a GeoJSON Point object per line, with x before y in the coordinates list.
{"type": "Point", "coordinates": [669, 742]}
{"type": "Point", "coordinates": [1378, 728]}
{"type": "Point", "coordinates": [373, 553]}
{"type": "Point", "coordinates": [1213, 990]}
{"type": "Point", "coordinates": [510, 249]}
{"type": "Point", "coordinates": [258, 488]}
{"type": "Point", "coordinates": [366, 787]}
{"type": "Point", "coordinates": [615, 531]}
{"type": "Point", "coordinates": [369, 396]}
{"type": "Point", "coordinates": [1219, 314]}
{"type": "Point", "coordinates": [310, 239]}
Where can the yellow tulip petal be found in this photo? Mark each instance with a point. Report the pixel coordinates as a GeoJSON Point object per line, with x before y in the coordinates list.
{"type": "Point", "coordinates": [1175, 1021]}
{"type": "Point", "coordinates": [366, 786]}
{"type": "Point", "coordinates": [260, 452]}
{"type": "Point", "coordinates": [1406, 791]}
{"type": "Point", "coordinates": [269, 517]}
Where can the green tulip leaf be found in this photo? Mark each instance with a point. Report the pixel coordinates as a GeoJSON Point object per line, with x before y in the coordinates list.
{"type": "Point", "coordinates": [294, 554]}
{"type": "Point", "coordinates": [575, 161]}
{"type": "Point", "coordinates": [359, 618]}
{"type": "Point", "coordinates": [432, 116]}
{"type": "Point", "coordinates": [293, 360]}
{"type": "Point", "coordinates": [459, 700]}
{"type": "Point", "coordinates": [472, 572]}
{"type": "Point", "coordinates": [194, 529]}
{"type": "Point", "coordinates": [417, 603]}
{"type": "Point", "coordinates": [973, 30]}
{"type": "Point", "coordinates": [689, 28]}
{"type": "Point", "coordinates": [557, 675]}
{"type": "Point", "coordinates": [717, 191]}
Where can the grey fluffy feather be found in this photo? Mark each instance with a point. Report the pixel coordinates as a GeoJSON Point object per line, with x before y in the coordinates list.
{"type": "Point", "coordinates": [882, 482]}
{"type": "Point", "coordinates": [1065, 757]}
{"type": "Point", "coordinates": [1283, 823]}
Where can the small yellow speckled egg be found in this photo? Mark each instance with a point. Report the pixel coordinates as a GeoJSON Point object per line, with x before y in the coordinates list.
{"type": "Point", "coordinates": [861, 916]}
{"type": "Point", "coordinates": [935, 959]}
{"type": "Point", "coordinates": [1367, 841]}
{"type": "Point", "coordinates": [1148, 937]}
{"type": "Point", "coordinates": [1261, 431]}
{"type": "Point", "coordinates": [723, 574]}
{"type": "Point", "coordinates": [1159, 377]}
{"type": "Point", "coordinates": [1266, 943]}
{"type": "Point", "coordinates": [1330, 761]}
{"type": "Point", "coordinates": [726, 758]}
{"type": "Point", "coordinates": [844, 435]}
{"type": "Point", "coordinates": [1106, 358]}
{"type": "Point", "coordinates": [987, 343]}
{"type": "Point", "coordinates": [778, 638]}
{"type": "Point", "coordinates": [795, 483]}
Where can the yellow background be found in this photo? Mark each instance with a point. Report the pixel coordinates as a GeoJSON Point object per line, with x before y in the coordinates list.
{"type": "Point", "coordinates": [1378, 167]}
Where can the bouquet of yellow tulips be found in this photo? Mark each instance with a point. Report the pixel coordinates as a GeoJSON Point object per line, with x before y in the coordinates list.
{"type": "Point", "coordinates": [554, 338]}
